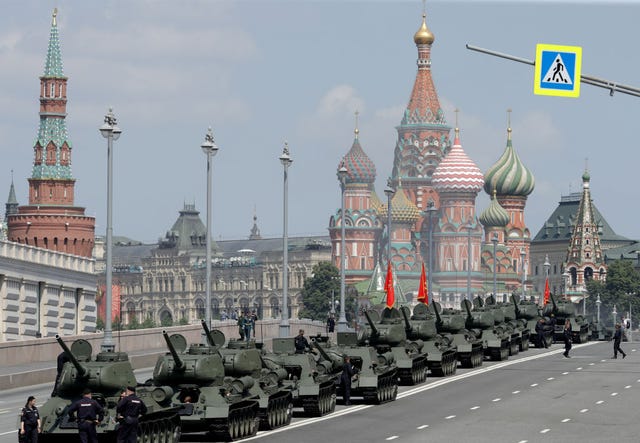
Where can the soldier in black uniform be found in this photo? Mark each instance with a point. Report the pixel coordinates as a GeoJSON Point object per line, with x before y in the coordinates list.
{"type": "Point", "coordinates": [348, 371]}
{"type": "Point", "coordinates": [129, 409]}
{"type": "Point", "coordinates": [300, 342]}
{"type": "Point", "coordinates": [540, 327]}
{"type": "Point", "coordinates": [88, 413]}
{"type": "Point", "coordinates": [30, 421]}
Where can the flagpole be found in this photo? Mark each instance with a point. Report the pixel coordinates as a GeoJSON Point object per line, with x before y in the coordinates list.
{"type": "Point", "coordinates": [546, 266]}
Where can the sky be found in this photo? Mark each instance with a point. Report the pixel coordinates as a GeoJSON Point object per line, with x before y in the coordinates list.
{"type": "Point", "coordinates": [262, 72]}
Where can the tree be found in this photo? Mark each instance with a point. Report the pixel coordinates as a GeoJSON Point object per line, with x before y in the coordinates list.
{"type": "Point", "coordinates": [148, 323]}
{"type": "Point", "coordinates": [316, 293]}
{"type": "Point", "coordinates": [621, 289]}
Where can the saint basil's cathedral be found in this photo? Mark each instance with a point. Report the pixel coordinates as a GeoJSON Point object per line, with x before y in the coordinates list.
{"type": "Point", "coordinates": [432, 194]}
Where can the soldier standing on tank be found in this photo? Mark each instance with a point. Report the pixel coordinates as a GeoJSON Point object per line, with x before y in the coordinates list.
{"type": "Point", "coordinates": [348, 371]}
{"type": "Point", "coordinates": [88, 414]}
{"type": "Point", "coordinates": [300, 342]}
{"type": "Point", "coordinates": [241, 325]}
{"type": "Point", "coordinates": [129, 410]}
{"type": "Point", "coordinates": [30, 421]}
{"type": "Point", "coordinates": [567, 337]}
{"type": "Point", "coordinates": [617, 338]}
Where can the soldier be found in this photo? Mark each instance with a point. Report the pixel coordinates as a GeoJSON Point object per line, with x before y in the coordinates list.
{"type": "Point", "coordinates": [540, 326]}
{"type": "Point", "coordinates": [567, 337]}
{"type": "Point", "coordinates": [348, 371]}
{"type": "Point", "coordinates": [300, 342]}
{"type": "Point", "coordinates": [241, 325]}
{"type": "Point", "coordinates": [30, 421]}
{"type": "Point", "coordinates": [129, 409]}
{"type": "Point", "coordinates": [331, 323]}
{"type": "Point", "coordinates": [88, 414]}
{"type": "Point", "coordinates": [617, 338]}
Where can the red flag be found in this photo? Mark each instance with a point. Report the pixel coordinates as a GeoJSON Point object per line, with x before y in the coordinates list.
{"type": "Point", "coordinates": [423, 293]}
{"type": "Point", "coordinates": [388, 287]}
{"type": "Point", "coordinates": [546, 291]}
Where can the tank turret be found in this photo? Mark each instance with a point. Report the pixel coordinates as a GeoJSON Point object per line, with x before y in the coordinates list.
{"type": "Point", "coordinates": [565, 309]}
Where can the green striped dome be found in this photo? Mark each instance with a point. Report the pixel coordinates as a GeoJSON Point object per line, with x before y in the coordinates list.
{"type": "Point", "coordinates": [495, 215]}
{"type": "Point", "coordinates": [509, 176]}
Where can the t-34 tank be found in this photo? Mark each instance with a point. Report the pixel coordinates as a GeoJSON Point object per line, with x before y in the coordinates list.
{"type": "Point", "coordinates": [209, 402]}
{"type": "Point", "coordinates": [452, 323]}
{"type": "Point", "coordinates": [241, 359]}
{"type": "Point", "coordinates": [387, 333]}
{"type": "Point", "coordinates": [505, 313]}
{"type": "Point", "coordinates": [377, 378]}
{"type": "Point", "coordinates": [487, 326]}
{"type": "Point", "coordinates": [312, 384]}
{"type": "Point", "coordinates": [520, 330]}
{"type": "Point", "coordinates": [561, 310]}
{"type": "Point", "coordinates": [106, 375]}
{"type": "Point", "coordinates": [440, 350]}
{"type": "Point", "coordinates": [528, 310]}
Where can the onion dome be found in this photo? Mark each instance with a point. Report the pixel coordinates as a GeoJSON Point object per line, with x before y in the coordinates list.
{"type": "Point", "coordinates": [403, 210]}
{"type": "Point", "coordinates": [586, 177]}
{"type": "Point", "coordinates": [509, 176]}
{"type": "Point", "coordinates": [495, 215]}
{"type": "Point", "coordinates": [424, 36]}
{"type": "Point", "coordinates": [457, 172]}
{"type": "Point", "coordinates": [360, 168]}
{"type": "Point", "coordinates": [376, 204]}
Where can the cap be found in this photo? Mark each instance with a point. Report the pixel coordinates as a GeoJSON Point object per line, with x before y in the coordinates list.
{"type": "Point", "coordinates": [131, 388]}
{"type": "Point", "coordinates": [86, 391]}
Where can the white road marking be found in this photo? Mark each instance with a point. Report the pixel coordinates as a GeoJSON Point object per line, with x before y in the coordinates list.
{"type": "Point", "coordinates": [564, 373]}
{"type": "Point", "coordinates": [393, 437]}
{"type": "Point", "coordinates": [534, 384]}
{"type": "Point", "coordinates": [16, 430]}
{"type": "Point", "coordinates": [613, 394]}
{"type": "Point", "coordinates": [473, 408]}
{"type": "Point", "coordinates": [564, 420]}
{"type": "Point", "coordinates": [581, 410]}
{"type": "Point", "coordinates": [495, 399]}
{"type": "Point", "coordinates": [514, 392]}
{"type": "Point", "coordinates": [604, 359]}
{"type": "Point", "coordinates": [599, 402]}
{"type": "Point", "coordinates": [544, 431]}
{"type": "Point", "coordinates": [577, 369]}
{"type": "Point", "coordinates": [521, 441]}
{"type": "Point", "coordinates": [550, 378]}
{"type": "Point", "coordinates": [449, 417]}
{"type": "Point", "coordinates": [590, 364]}
{"type": "Point", "coordinates": [626, 387]}
{"type": "Point", "coordinates": [423, 426]}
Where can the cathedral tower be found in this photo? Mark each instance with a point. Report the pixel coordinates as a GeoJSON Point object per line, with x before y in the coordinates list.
{"type": "Point", "coordinates": [51, 220]}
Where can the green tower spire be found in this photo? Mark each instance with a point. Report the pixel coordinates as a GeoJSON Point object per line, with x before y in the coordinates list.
{"type": "Point", "coordinates": [53, 64]}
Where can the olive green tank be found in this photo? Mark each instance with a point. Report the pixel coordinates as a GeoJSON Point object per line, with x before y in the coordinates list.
{"type": "Point", "coordinates": [311, 379]}
{"type": "Point", "coordinates": [387, 333]}
{"type": "Point", "coordinates": [105, 376]}
{"type": "Point", "coordinates": [564, 309]}
{"type": "Point", "coordinates": [223, 407]}
{"type": "Point", "coordinates": [450, 322]}
{"type": "Point", "coordinates": [488, 326]}
{"type": "Point", "coordinates": [439, 347]}
{"type": "Point", "coordinates": [529, 312]}
{"type": "Point", "coordinates": [518, 328]}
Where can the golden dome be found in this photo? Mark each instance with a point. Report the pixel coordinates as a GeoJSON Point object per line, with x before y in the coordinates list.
{"type": "Point", "coordinates": [424, 36]}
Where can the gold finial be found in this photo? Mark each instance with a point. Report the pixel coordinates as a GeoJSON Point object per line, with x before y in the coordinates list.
{"type": "Point", "coordinates": [53, 20]}
{"type": "Point", "coordinates": [356, 131]}
{"type": "Point", "coordinates": [509, 124]}
{"type": "Point", "coordinates": [423, 36]}
{"type": "Point", "coordinates": [424, 7]}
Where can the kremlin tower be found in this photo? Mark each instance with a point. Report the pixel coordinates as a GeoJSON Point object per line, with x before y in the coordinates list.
{"type": "Point", "coordinates": [51, 220]}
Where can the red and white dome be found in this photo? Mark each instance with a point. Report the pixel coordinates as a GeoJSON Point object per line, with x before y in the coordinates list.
{"type": "Point", "coordinates": [457, 172]}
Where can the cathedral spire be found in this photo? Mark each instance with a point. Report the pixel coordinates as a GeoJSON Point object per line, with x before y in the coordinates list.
{"type": "Point", "coordinates": [53, 63]}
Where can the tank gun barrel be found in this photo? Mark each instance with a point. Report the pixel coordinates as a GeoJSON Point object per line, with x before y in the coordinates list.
{"type": "Point", "coordinates": [553, 301]}
{"type": "Point", "coordinates": [438, 318]}
{"type": "Point", "coordinates": [407, 323]}
{"type": "Point", "coordinates": [515, 304]}
{"type": "Point", "coordinates": [374, 330]}
{"type": "Point", "coordinates": [82, 371]}
{"type": "Point", "coordinates": [324, 354]}
{"type": "Point", "coordinates": [176, 358]}
{"type": "Point", "coordinates": [207, 333]}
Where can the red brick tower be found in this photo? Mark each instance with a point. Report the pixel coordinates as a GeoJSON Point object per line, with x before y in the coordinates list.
{"type": "Point", "coordinates": [51, 220]}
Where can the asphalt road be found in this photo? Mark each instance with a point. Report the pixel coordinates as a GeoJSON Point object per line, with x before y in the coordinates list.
{"type": "Point", "coordinates": [537, 396]}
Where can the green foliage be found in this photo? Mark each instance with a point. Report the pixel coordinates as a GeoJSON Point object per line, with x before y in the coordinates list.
{"type": "Point", "coordinates": [148, 323]}
{"type": "Point", "coordinates": [183, 321]}
{"type": "Point", "coordinates": [316, 293]}
{"type": "Point", "coordinates": [99, 324]}
{"type": "Point", "coordinates": [134, 323]}
{"type": "Point", "coordinates": [166, 321]}
{"type": "Point", "coordinates": [621, 289]}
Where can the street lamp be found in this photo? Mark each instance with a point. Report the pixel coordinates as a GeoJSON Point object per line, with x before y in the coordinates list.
{"type": "Point", "coordinates": [210, 149]}
{"type": "Point", "coordinates": [286, 161]}
{"type": "Point", "coordinates": [494, 240]}
{"type": "Point", "coordinates": [598, 303]}
{"type": "Point", "coordinates": [111, 132]}
{"type": "Point", "coordinates": [469, 227]}
{"type": "Point", "coordinates": [389, 192]}
{"type": "Point", "coordinates": [342, 176]}
{"type": "Point", "coordinates": [333, 306]}
{"type": "Point", "coordinates": [523, 254]}
{"type": "Point", "coordinates": [615, 313]}
{"type": "Point", "coordinates": [430, 210]}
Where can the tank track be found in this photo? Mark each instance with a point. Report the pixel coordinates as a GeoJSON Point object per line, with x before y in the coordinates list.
{"type": "Point", "coordinates": [499, 354]}
{"type": "Point", "coordinates": [514, 345]}
{"type": "Point", "coordinates": [416, 375]}
{"type": "Point", "coordinates": [322, 404]}
{"type": "Point", "coordinates": [278, 412]}
{"type": "Point", "coordinates": [582, 336]}
{"type": "Point", "coordinates": [386, 391]}
{"type": "Point", "coordinates": [162, 429]}
{"type": "Point", "coordinates": [242, 422]}
{"type": "Point", "coordinates": [474, 358]}
{"type": "Point", "coordinates": [524, 343]}
{"type": "Point", "coordinates": [447, 365]}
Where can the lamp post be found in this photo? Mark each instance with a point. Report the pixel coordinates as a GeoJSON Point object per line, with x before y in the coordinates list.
{"type": "Point", "coordinates": [615, 314]}
{"type": "Point", "coordinates": [565, 283]}
{"type": "Point", "coordinates": [547, 266]}
{"type": "Point", "coordinates": [630, 333]}
{"type": "Point", "coordinates": [342, 176]}
{"type": "Point", "coordinates": [523, 254]}
{"type": "Point", "coordinates": [333, 306]}
{"type": "Point", "coordinates": [494, 240]}
{"type": "Point", "coordinates": [430, 210]}
{"type": "Point", "coordinates": [210, 149]}
{"type": "Point", "coordinates": [286, 161]}
{"type": "Point", "coordinates": [598, 303]}
{"type": "Point", "coordinates": [469, 227]}
{"type": "Point", "coordinates": [389, 191]}
{"type": "Point", "coordinates": [111, 132]}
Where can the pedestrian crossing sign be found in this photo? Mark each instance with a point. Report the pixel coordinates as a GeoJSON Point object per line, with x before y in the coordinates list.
{"type": "Point", "coordinates": [557, 70]}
